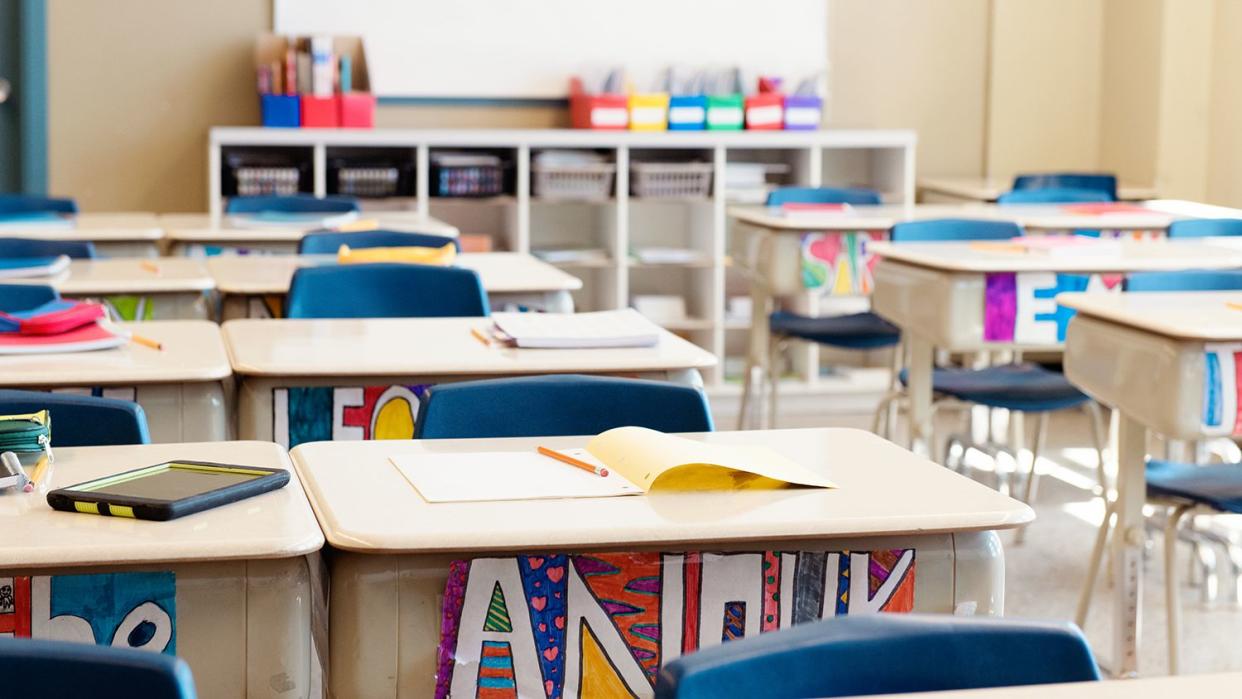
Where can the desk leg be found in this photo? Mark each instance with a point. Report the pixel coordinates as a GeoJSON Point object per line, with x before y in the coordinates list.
{"type": "Point", "coordinates": [920, 388]}
{"type": "Point", "coordinates": [757, 352]}
{"type": "Point", "coordinates": [1128, 545]}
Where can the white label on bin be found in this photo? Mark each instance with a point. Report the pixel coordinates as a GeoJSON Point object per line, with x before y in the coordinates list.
{"type": "Point", "coordinates": [724, 116]}
{"type": "Point", "coordinates": [647, 115]}
{"type": "Point", "coordinates": [686, 115]}
{"type": "Point", "coordinates": [764, 115]}
{"type": "Point", "coordinates": [609, 116]}
{"type": "Point", "coordinates": [802, 116]}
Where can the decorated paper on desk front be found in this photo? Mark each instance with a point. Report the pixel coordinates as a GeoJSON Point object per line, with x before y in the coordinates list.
{"type": "Point", "coordinates": [839, 264]}
{"type": "Point", "coordinates": [602, 625]}
{"type": "Point", "coordinates": [327, 413]}
{"type": "Point", "coordinates": [1021, 308]}
{"type": "Point", "coordinates": [1222, 389]}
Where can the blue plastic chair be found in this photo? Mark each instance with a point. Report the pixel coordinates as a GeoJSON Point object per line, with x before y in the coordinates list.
{"type": "Point", "coordinates": [558, 405]}
{"type": "Point", "coordinates": [883, 654]}
{"type": "Point", "coordinates": [1205, 228]}
{"type": "Point", "coordinates": [33, 247]}
{"type": "Point", "coordinates": [23, 297]}
{"type": "Point", "coordinates": [823, 195]}
{"type": "Point", "coordinates": [386, 290]}
{"type": "Point", "coordinates": [82, 421]}
{"type": "Point", "coordinates": [296, 204]}
{"type": "Point", "coordinates": [328, 242]}
{"type": "Point", "coordinates": [1054, 195]}
{"type": "Point", "coordinates": [1101, 182]}
{"type": "Point", "coordinates": [1181, 487]}
{"type": "Point", "coordinates": [38, 668]}
{"type": "Point", "coordinates": [16, 204]}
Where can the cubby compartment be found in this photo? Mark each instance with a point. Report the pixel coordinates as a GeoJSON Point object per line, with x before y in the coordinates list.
{"type": "Point", "coordinates": [261, 170]}
{"type": "Point", "coordinates": [559, 174]}
{"type": "Point", "coordinates": [472, 173]}
{"type": "Point", "coordinates": [750, 174]}
{"type": "Point", "coordinates": [372, 173]}
{"type": "Point", "coordinates": [667, 173]}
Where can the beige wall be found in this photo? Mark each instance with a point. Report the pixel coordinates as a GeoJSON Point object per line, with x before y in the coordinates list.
{"type": "Point", "coordinates": [1130, 88]}
{"type": "Point", "coordinates": [1225, 113]}
{"type": "Point", "coordinates": [918, 65]}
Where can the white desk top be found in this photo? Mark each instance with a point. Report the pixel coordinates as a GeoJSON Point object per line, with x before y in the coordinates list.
{"type": "Point", "coordinates": [1190, 315]}
{"type": "Point", "coordinates": [279, 524]}
{"type": "Point", "coordinates": [500, 272]}
{"type": "Point", "coordinates": [102, 227]}
{"type": "Point", "coordinates": [364, 504]}
{"type": "Point", "coordinates": [425, 347]}
{"type": "Point", "coordinates": [1045, 216]}
{"type": "Point", "coordinates": [989, 188]}
{"type": "Point", "coordinates": [1184, 686]}
{"type": "Point", "coordinates": [193, 351]}
{"type": "Point", "coordinates": [1134, 256]}
{"type": "Point", "coordinates": [127, 275]}
{"type": "Point", "coordinates": [198, 228]}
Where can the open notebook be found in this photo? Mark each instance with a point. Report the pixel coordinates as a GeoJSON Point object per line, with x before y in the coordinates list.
{"type": "Point", "coordinates": [638, 460]}
{"type": "Point", "coordinates": [624, 328]}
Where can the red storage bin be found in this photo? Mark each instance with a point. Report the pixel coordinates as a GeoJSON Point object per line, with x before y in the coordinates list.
{"type": "Point", "coordinates": [321, 112]}
{"type": "Point", "coordinates": [357, 110]}
{"type": "Point", "coordinates": [764, 111]}
{"type": "Point", "coordinates": [606, 112]}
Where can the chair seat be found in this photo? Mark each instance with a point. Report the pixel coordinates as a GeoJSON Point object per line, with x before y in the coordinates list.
{"type": "Point", "coordinates": [1216, 485]}
{"type": "Point", "coordinates": [855, 331]}
{"type": "Point", "coordinates": [1029, 388]}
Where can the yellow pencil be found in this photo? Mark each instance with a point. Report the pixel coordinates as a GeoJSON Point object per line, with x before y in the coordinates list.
{"type": "Point", "coordinates": [37, 477]}
{"type": "Point", "coordinates": [1234, 305]}
{"type": "Point", "coordinates": [149, 266]}
{"type": "Point", "coordinates": [576, 463]}
{"type": "Point", "coordinates": [146, 342]}
{"type": "Point", "coordinates": [478, 335]}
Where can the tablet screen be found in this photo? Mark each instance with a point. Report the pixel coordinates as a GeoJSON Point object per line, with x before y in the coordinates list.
{"type": "Point", "coordinates": [172, 481]}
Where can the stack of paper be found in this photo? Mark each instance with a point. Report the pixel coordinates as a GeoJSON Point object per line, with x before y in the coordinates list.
{"type": "Point", "coordinates": [808, 210]}
{"type": "Point", "coordinates": [623, 328]}
{"type": "Point", "coordinates": [638, 460]}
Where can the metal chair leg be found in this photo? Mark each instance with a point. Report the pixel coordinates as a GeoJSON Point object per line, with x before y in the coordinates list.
{"type": "Point", "coordinates": [748, 380]}
{"type": "Point", "coordinates": [1171, 598]}
{"type": "Point", "coordinates": [1096, 418]}
{"type": "Point", "coordinates": [1093, 567]}
{"type": "Point", "coordinates": [1032, 476]}
{"type": "Point", "coordinates": [775, 347]}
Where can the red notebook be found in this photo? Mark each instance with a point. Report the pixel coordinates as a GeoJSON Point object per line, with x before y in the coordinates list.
{"type": "Point", "coordinates": [1106, 207]}
{"type": "Point", "coordinates": [52, 318]}
{"type": "Point", "coordinates": [94, 336]}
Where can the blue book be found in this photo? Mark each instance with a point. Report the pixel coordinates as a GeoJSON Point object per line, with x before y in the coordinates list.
{"type": "Point", "coordinates": [34, 219]}
{"type": "Point", "coordinates": [18, 267]}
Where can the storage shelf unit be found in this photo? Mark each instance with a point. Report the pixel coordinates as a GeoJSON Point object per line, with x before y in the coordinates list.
{"type": "Point", "coordinates": [879, 159]}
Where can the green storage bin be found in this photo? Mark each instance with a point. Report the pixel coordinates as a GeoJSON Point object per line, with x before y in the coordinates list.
{"type": "Point", "coordinates": [725, 112]}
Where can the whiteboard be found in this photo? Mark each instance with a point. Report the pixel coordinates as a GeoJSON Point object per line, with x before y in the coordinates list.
{"type": "Point", "coordinates": [530, 48]}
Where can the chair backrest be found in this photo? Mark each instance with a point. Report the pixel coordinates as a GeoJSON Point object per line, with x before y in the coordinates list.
{"type": "Point", "coordinates": [386, 290]}
{"type": "Point", "coordinates": [295, 204]}
{"type": "Point", "coordinates": [1205, 227]}
{"type": "Point", "coordinates": [23, 297]}
{"type": "Point", "coordinates": [948, 229]}
{"type": "Point", "coordinates": [38, 668]}
{"type": "Point", "coordinates": [328, 242]}
{"type": "Point", "coordinates": [33, 247]}
{"type": "Point", "coordinates": [29, 204]}
{"type": "Point", "coordinates": [1099, 181]}
{"type": "Point", "coordinates": [1189, 280]}
{"type": "Point", "coordinates": [1054, 195]}
{"type": "Point", "coordinates": [82, 421]}
{"type": "Point", "coordinates": [823, 195]}
{"type": "Point", "coordinates": [844, 656]}
{"type": "Point", "coordinates": [548, 406]}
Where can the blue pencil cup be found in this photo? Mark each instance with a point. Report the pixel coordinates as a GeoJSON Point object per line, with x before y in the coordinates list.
{"type": "Point", "coordinates": [687, 113]}
{"type": "Point", "coordinates": [281, 110]}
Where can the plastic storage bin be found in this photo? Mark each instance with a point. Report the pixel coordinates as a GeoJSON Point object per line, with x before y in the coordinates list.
{"type": "Point", "coordinates": [357, 110]}
{"type": "Point", "coordinates": [725, 112]}
{"type": "Point", "coordinates": [607, 112]}
{"type": "Point", "coordinates": [687, 113]}
{"type": "Point", "coordinates": [320, 112]}
{"type": "Point", "coordinates": [649, 112]}
{"type": "Point", "coordinates": [581, 182]}
{"type": "Point", "coordinates": [803, 112]}
{"type": "Point", "coordinates": [281, 110]}
{"type": "Point", "coordinates": [671, 180]}
{"type": "Point", "coordinates": [765, 111]}
{"type": "Point", "coordinates": [466, 175]}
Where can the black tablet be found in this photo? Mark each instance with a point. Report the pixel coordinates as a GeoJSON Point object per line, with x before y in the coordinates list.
{"type": "Point", "coordinates": [168, 490]}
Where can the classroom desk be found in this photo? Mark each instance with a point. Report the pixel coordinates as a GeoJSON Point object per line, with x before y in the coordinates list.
{"type": "Point", "coordinates": [114, 234]}
{"type": "Point", "coordinates": [137, 288]}
{"type": "Point", "coordinates": [1119, 349]}
{"type": "Point", "coordinates": [396, 552]}
{"type": "Point", "coordinates": [354, 379]}
{"type": "Point", "coordinates": [228, 589]}
{"type": "Point", "coordinates": [198, 235]}
{"type": "Point", "coordinates": [182, 387]}
{"type": "Point", "coordinates": [937, 293]}
{"type": "Point", "coordinates": [246, 282]}
{"type": "Point", "coordinates": [989, 189]}
{"type": "Point", "coordinates": [1187, 686]}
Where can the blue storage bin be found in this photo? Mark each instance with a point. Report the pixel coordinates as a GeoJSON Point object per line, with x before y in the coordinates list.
{"type": "Point", "coordinates": [281, 110]}
{"type": "Point", "coordinates": [687, 113]}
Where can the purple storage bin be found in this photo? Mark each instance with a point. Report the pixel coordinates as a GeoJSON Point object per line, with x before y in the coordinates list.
{"type": "Point", "coordinates": [803, 112]}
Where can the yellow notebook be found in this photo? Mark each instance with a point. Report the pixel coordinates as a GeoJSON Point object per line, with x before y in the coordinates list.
{"type": "Point", "coordinates": [638, 460]}
{"type": "Point", "coordinates": [442, 256]}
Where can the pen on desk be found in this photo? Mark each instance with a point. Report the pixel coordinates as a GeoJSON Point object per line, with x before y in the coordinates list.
{"type": "Point", "coordinates": [478, 335]}
{"type": "Point", "coordinates": [147, 342]}
{"type": "Point", "coordinates": [149, 266]}
{"type": "Point", "coordinates": [576, 463]}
